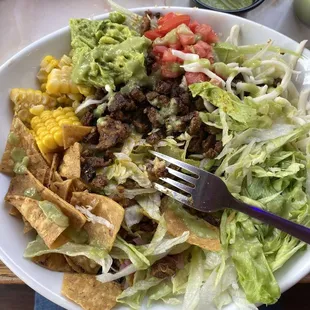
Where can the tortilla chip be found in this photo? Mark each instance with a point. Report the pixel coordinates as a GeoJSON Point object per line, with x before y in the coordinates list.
{"type": "Point", "coordinates": [53, 168]}
{"type": "Point", "coordinates": [29, 208]}
{"type": "Point", "coordinates": [70, 167]}
{"type": "Point", "coordinates": [63, 189]}
{"type": "Point", "coordinates": [26, 142]}
{"type": "Point", "coordinates": [27, 226]}
{"type": "Point", "coordinates": [72, 134]}
{"type": "Point", "coordinates": [14, 212]}
{"type": "Point", "coordinates": [79, 185]}
{"type": "Point", "coordinates": [89, 293]}
{"type": "Point", "coordinates": [57, 177]}
{"type": "Point", "coordinates": [99, 234]}
{"type": "Point", "coordinates": [38, 167]}
{"type": "Point", "coordinates": [20, 183]}
{"type": "Point", "coordinates": [48, 157]}
{"type": "Point", "coordinates": [176, 227]}
{"type": "Point", "coordinates": [53, 261]}
{"type": "Point", "coordinates": [82, 264]}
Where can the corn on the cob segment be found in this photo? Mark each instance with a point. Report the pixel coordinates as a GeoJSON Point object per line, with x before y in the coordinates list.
{"type": "Point", "coordinates": [48, 63]}
{"type": "Point", "coordinates": [47, 127]}
{"type": "Point", "coordinates": [24, 99]}
{"type": "Point", "coordinates": [59, 81]}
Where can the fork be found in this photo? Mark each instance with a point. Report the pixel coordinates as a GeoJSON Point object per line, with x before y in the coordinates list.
{"type": "Point", "coordinates": [208, 193]}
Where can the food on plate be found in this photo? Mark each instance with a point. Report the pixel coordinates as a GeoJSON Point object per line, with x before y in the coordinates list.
{"type": "Point", "coordinates": [82, 174]}
{"type": "Point", "coordinates": [228, 5]}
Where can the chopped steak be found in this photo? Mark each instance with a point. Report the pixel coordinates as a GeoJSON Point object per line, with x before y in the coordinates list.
{"type": "Point", "coordinates": [121, 102]}
{"type": "Point", "coordinates": [208, 143]}
{"type": "Point", "coordinates": [195, 145]}
{"type": "Point", "coordinates": [137, 95]}
{"type": "Point", "coordinates": [150, 96]}
{"type": "Point", "coordinates": [149, 62]}
{"type": "Point", "coordinates": [111, 133]}
{"type": "Point", "coordinates": [100, 93]}
{"type": "Point", "coordinates": [164, 268]}
{"type": "Point", "coordinates": [153, 116]}
{"type": "Point", "coordinates": [211, 147]}
{"type": "Point", "coordinates": [92, 138]}
{"type": "Point", "coordinates": [155, 137]}
{"type": "Point", "coordinates": [121, 116]}
{"type": "Point", "coordinates": [97, 162]}
{"type": "Point", "coordinates": [218, 147]}
{"type": "Point", "coordinates": [212, 130]}
{"type": "Point", "coordinates": [88, 172]}
{"type": "Point", "coordinates": [99, 182]}
{"type": "Point", "coordinates": [156, 170]}
{"type": "Point", "coordinates": [88, 119]}
{"type": "Point", "coordinates": [163, 87]}
{"type": "Point", "coordinates": [146, 23]}
{"type": "Point", "coordinates": [195, 124]}
{"type": "Point", "coordinates": [141, 126]}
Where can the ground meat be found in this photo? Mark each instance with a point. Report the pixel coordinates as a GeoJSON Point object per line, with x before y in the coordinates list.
{"type": "Point", "coordinates": [88, 172]}
{"type": "Point", "coordinates": [153, 116]}
{"type": "Point", "coordinates": [97, 162]}
{"type": "Point", "coordinates": [163, 87]}
{"type": "Point", "coordinates": [121, 102]}
{"type": "Point", "coordinates": [150, 96]}
{"type": "Point", "coordinates": [88, 119]}
{"type": "Point", "coordinates": [164, 268]}
{"type": "Point", "coordinates": [156, 170]}
{"type": "Point", "coordinates": [218, 147]}
{"type": "Point", "coordinates": [137, 95]}
{"type": "Point", "coordinates": [185, 97]}
{"type": "Point", "coordinates": [122, 116]}
{"type": "Point", "coordinates": [211, 148]}
{"type": "Point", "coordinates": [92, 138]}
{"type": "Point", "coordinates": [163, 100]}
{"type": "Point", "coordinates": [124, 202]}
{"type": "Point", "coordinates": [212, 130]}
{"type": "Point", "coordinates": [100, 93]}
{"type": "Point", "coordinates": [130, 184]}
{"type": "Point", "coordinates": [111, 133]}
{"type": "Point", "coordinates": [208, 143]}
{"type": "Point", "coordinates": [195, 145]}
{"type": "Point", "coordinates": [194, 126]}
{"type": "Point", "coordinates": [155, 137]}
{"type": "Point", "coordinates": [146, 23]}
{"type": "Point", "coordinates": [99, 182]}
{"type": "Point", "coordinates": [147, 225]}
{"type": "Point", "coordinates": [141, 126]}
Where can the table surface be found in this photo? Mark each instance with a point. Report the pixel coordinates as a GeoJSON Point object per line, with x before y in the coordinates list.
{"type": "Point", "coordinates": [25, 21]}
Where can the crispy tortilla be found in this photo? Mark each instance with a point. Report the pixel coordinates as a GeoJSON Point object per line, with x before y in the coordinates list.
{"type": "Point", "coordinates": [79, 186]}
{"type": "Point", "coordinates": [26, 142]}
{"type": "Point", "coordinates": [53, 261]}
{"type": "Point", "coordinates": [99, 234]}
{"type": "Point", "coordinates": [20, 183]}
{"type": "Point", "coordinates": [70, 167]}
{"type": "Point", "coordinates": [57, 177]}
{"type": "Point", "coordinates": [72, 134]}
{"type": "Point", "coordinates": [89, 293]}
{"type": "Point", "coordinates": [82, 264]}
{"type": "Point", "coordinates": [14, 212]}
{"type": "Point", "coordinates": [47, 229]}
{"type": "Point", "coordinates": [63, 189]}
{"type": "Point", "coordinates": [38, 167]}
{"type": "Point", "coordinates": [53, 168]}
{"type": "Point", "coordinates": [176, 227]}
{"type": "Point", "coordinates": [27, 226]}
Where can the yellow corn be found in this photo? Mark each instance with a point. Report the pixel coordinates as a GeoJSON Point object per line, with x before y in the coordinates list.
{"type": "Point", "coordinates": [47, 127]}
{"type": "Point", "coordinates": [48, 63]}
{"type": "Point", "coordinates": [65, 61]}
{"type": "Point", "coordinates": [86, 90]}
{"type": "Point", "coordinates": [24, 99]}
{"type": "Point", "coordinates": [59, 81]}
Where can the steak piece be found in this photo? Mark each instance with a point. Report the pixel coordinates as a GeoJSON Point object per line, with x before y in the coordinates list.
{"type": "Point", "coordinates": [121, 102]}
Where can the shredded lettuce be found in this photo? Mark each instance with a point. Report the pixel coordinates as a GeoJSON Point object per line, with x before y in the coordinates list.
{"type": "Point", "coordinates": [150, 205]}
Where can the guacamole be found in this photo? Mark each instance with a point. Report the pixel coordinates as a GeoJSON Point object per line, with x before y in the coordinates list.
{"type": "Point", "coordinates": [106, 52]}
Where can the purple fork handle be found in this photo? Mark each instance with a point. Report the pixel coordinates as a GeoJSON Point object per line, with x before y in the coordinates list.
{"type": "Point", "coordinates": [298, 231]}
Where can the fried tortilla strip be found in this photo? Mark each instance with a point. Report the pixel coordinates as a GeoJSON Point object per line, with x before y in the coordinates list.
{"type": "Point", "coordinates": [47, 229]}
{"type": "Point", "coordinates": [63, 189]}
{"type": "Point", "coordinates": [70, 167]}
{"type": "Point", "coordinates": [14, 212]}
{"type": "Point", "coordinates": [106, 208]}
{"type": "Point", "coordinates": [38, 167]}
{"type": "Point", "coordinates": [53, 261]}
{"type": "Point", "coordinates": [57, 177]}
{"type": "Point", "coordinates": [89, 293]}
{"type": "Point", "coordinates": [79, 185]}
{"type": "Point", "coordinates": [20, 183]}
{"type": "Point", "coordinates": [176, 227]}
{"type": "Point", "coordinates": [72, 134]}
{"type": "Point", "coordinates": [53, 169]}
{"type": "Point", "coordinates": [27, 226]}
{"type": "Point", "coordinates": [21, 137]}
{"type": "Point", "coordinates": [82, 264]}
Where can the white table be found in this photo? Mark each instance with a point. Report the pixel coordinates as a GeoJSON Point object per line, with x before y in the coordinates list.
{"type": "Point", "coordinates": [25, 21]}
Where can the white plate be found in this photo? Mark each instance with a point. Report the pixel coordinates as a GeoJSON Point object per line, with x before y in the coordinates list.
{"type": "Point", "coordinates": [21, 70]}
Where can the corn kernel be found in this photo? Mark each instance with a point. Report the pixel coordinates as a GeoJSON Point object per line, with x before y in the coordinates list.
{"type": "Point", "coordinates": [68, 114]}
{"type": "Point", "coordinates": [49, 142]}
{"type": "Point", "coordinates": [77, 123]}
{"type": "Point", "coordinates": [64, 122]}
{"type": "Point", "coordinates": [67, 109]}
{"type": "Point", "coordinates": [37, 110]}
{"type": "Point", "coordinates": [57, 113]}
{"type": "Point", "coordinates": [58, 138]}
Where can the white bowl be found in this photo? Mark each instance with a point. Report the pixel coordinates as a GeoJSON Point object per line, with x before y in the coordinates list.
{"type": "Point", "coordinates": [21, 70]}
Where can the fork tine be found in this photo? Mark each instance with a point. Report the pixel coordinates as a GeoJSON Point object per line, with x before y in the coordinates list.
{"type": "Point", "coordinates": [182, 176]}
{"type": "Point", "coordinates": [176, 162]}
{"type": "Point", "coordinates": [173, 194]}
{"type": "Point", "coordinates": [178, 185]}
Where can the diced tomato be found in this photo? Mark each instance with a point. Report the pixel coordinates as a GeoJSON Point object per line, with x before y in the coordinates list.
{"type": "Point", "coordinates": [193, 25]}
{"type": "Point", "coordinates": [176, 46]}
{"type": "Point", "coordinates": [195, 77]}
{"type": "Point", "coordinates": [171, 70]}
{"type": "Point", "coordinates": [203, 49]}
{"type": "Point", "coordinates": [189, 49]}
{"type": "Point", "coordinates": [168, 57]}
{"type": "Point", "coordinates": [206, 33]}
{"type": "Point", "coordinates": [152, 34]}
{"type": "Point", "coordinates": [159, 50]}
{"type": "Point", "coordinates": [166, 17]}
{"type": "Point", "coordinates": [174, 22]}
{"type": "Point", "coordinates": [187, 39]}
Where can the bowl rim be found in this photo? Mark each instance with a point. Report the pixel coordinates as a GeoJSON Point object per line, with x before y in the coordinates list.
{"type": "Point", "coordinates": [242, 10]}
{"type": "Point", "coordinates": [8, 260]}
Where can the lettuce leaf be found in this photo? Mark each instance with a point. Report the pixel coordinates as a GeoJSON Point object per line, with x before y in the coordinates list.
{"type": "Point", "coordinates": [150, 205]}
{"type": "Point", "coordinates": [100, 256]}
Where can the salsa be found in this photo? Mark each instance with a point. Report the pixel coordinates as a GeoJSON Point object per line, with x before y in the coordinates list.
{"type": "Point", "coordinates": [228, 4]}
